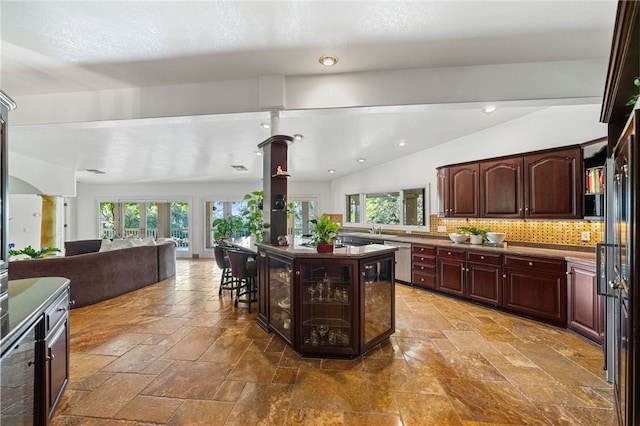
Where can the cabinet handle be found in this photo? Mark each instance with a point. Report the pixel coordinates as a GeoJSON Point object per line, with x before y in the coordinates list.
{"type": "Point", "coordinates": [422, 258]}
{"type": "Point", "coordinates": [422, 267]}
{"type": "Point", "coordinates": [449, 253]}
{"type": "Point", "coordinates": [421, 248]}
{"type": "Point", "coordinates": [62, 309]}
{"type": "Point", "coordinates": [526, 209]}
{"type": "Point", "coordinates": [481, 257]}
{"type": "Point", "coordinates": [72, 302]}
{"type": "Point", "coordinates": [568, 273]}
{"type": "Point", "coordinates": [530, 263]}
{"type": "Point", "coordinates": [297, 272]}
{"type": "Point", "coordinates": [422, 279]}
{"type": "Point", "coordinates": [50, 357]}
{"type": "Point", "coordinates": [504, 275]}
{"type": "Point", "coordinates": [30, 363]}
{"type": "Point", "coordinates": [520, 209]}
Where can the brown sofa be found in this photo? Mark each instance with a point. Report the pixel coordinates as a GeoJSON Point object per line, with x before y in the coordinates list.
{"type": "Point", "coordinates": [96, 276]}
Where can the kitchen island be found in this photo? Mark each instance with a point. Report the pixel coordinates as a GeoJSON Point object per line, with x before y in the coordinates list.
{"type": "Point", "coordinates": [338, 304]}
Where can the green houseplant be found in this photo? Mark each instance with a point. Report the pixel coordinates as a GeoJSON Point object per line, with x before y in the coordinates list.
{"type": "Point", "coordinates": [252, 214]}
{"type": "Point", "coordinates": [324, 233]}
{"type": "Point", "coordinates": [227, 227]}
{"type": "Point", "coordinates": [479, 233]}
{"type": "Point", "coordinates": [33, 253]}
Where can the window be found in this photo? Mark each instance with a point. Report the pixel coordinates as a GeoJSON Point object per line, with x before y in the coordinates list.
{"type": "Point", "coordinates": [382, 208]}
{"type": "Point", "coordinates": [303, 211]}
{"type": "Point", "coordinates": [407, 207]}
{"type": "Point", "coordinates": [145, 219]}
{"type": "Point", "coordinates": [353, 208]}
{"type": "Point", "coordinates": [219, 210]}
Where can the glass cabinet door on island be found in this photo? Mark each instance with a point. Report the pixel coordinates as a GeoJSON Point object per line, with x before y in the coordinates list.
{"type": "Point", "coordinates": [327, 314]}
{"type": "Point", "coordinates": [378, 295]}
{"type": "Point", "coordinates": [280, 296]}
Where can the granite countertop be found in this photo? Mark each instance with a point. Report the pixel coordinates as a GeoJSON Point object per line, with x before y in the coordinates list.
{"type": "Point", "coordinates": [300, 251]}
{"type": "Point", "coordinates": [510, 249]}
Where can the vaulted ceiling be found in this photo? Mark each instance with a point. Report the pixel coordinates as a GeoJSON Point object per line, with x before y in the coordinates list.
{"type": "Point", "coordinates": [177, 91]}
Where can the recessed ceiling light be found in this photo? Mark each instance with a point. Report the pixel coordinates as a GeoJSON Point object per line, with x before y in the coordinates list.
{"type": "Point", "coordinates": [361, 160]}
{"type": "Point", "coordinates": [265, 125]}
{"type": "Point", "coordinates": [489, 109]}
{"type": "Point", "coordinates": [402, 143]}
{"type": "Point", "coordinates": [258, 153]}
{"type": "Point", "coordinates": [328, 60]}
{"type": "Point", "coordinates": [331, 171]}
{"type": "Point", "coordinates": [298, 137]}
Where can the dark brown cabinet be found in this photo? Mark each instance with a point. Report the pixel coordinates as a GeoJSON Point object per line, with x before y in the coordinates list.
{"type": "Point", "coordinates": [585, 308]}
{"type": "Point", "coordinates": [484, 278]}
{"type": "Point", "coordinates": [540, 185]}
{"type": "Point", "coordinates": [553, 184]}
{"type": "Point", "coordinates": [423, 266]}
{"type": "Point", "coordinates": [501, 188]}
{"type": "Point", "coordinates": [458, 191]}
{"type": "Point", "coordinates": [451, 271]}
{"type": "Point", "coordinates": [536, 287]}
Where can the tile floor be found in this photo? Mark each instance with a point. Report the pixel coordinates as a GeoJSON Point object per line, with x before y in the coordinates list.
{"type": "Point", "coordinates": [175, 353]}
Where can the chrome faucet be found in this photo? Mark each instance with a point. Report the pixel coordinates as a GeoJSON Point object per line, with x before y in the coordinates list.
{"type": "Point", "coordinates": [374, 230]}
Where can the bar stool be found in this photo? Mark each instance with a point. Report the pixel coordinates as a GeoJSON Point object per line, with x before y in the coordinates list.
{"type": "Point", "coordinates": [227, 280]}
{"type": "Point", "coordinates": [244, 270]}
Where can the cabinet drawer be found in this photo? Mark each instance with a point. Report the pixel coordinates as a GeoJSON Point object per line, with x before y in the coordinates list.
{"type": "Point", "coordinates": [535, 264]}
{"type": "Point", "coordinates": [492, 259]}
{"type": "Point", "coordinates": [451, 254]}
{"type": "Point", "coordinates": [57, 311]}
{"type": "Point", "coordinates": [423, 280]}
{"type": "Point", "coordinates": [426, 250]}
{"type": "Point", "coordinates": [425, 269]}
{"type": "Point", "coordinates": [427, 260]}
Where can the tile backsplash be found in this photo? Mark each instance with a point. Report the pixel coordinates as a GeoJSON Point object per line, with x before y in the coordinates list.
{"type": "Point", "coordinates": [557, 232]}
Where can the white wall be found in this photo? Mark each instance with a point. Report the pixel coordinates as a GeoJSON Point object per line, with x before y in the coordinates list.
{"type": "Point", "coordinates": [510, 138]}
{"type": "Point", "coordinates": [25, 214]}
{"type": "Point", "coordinates": [83, 209]}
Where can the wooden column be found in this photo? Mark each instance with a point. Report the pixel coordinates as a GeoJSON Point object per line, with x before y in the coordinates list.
{"type": "Point", "coordinates": [48, 221]}
{"type": "Point", "coordinates": [274, 154]}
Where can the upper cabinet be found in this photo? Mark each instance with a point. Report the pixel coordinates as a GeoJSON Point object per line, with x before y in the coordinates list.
{"type": "Point", "coordinates": [501, 189]}
{"type": "Point", "coordinates": [540, 185]}
{"type": "Point", "coordinates": [553, 185]}
{"type": "Point", "coordinates": [458, 191]}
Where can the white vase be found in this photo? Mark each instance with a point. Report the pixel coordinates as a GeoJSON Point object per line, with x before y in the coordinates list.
{"type": "Point", "coordinates": [475, 239]}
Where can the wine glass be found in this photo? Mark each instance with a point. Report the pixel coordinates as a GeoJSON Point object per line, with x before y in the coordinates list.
{"type": "Point", "coordinates": [322, 331]}
{"type": "Point", "coordinates": [311, 291]}
{"type": "Point", "coordinates": [320, 287]}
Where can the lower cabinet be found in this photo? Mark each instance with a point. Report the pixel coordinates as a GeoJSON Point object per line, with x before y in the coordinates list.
{"type": "Point", "coordinates": [423, 266]}
{"type": "Point", "coordinates": [56, 357]}
{"type": "Point", "coordinates": [585, 308]}
{"type": "Point", "coordinates": [451, 271]}
{"type": "Point", "coordinates": [536, 287]}
{"type": "Point", "coordinates": [484, 278]}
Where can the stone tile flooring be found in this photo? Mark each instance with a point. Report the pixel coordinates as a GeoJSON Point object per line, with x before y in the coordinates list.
{"type": "Point", "coordinates": [176, 353]}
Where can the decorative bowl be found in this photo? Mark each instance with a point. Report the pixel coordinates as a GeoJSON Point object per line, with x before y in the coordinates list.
{"type": "Point", "coordinates": [458, 238]}
{"type": "Point", "coordinates": [496, 237]}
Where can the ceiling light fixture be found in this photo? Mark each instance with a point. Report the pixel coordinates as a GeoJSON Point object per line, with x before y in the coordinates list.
{"type": "Point", "coordinates": [328, 60]}
{"type": "Point", "coordinates": [258, 153]}
{"type": "Point", "coordinates": [402, 143]}
{"type": "Point", "coordinates": [331, 171]}
{"type": "Point", "coordinates": [361, 160]}
{"type": "Point", "coordinates": [265, 125]}
{"type": "Point", "coordinates": [488, 109]}
{"type": "Point", "coordinates": [298, 137]}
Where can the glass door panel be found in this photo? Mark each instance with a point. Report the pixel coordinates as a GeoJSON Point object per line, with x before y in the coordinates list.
{"type": "Point", "coordinates": [280, 296]}
{"type": "Point", "coordinates": [378, 294]}
{"type": "Point", "coordinates": [327, 296]}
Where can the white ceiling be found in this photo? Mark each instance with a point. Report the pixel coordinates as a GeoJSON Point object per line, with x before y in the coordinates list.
{"type": "Point", "coordinates": [63, 48]}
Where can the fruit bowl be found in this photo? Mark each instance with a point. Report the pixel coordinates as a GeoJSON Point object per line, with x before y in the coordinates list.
{"type": "Point", "coordinates": [458, 238]}
{"type": "Point", "coordinates": [496, 237]}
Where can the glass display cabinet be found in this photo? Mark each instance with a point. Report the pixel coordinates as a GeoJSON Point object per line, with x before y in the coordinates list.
{"type": "Point", "coordinates": [328, 305]}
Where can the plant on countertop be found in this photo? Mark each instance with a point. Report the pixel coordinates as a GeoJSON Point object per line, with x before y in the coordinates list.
{"type": "Point", "coordinates": [474, 231]}
{"type": "Point", "coordinates": [227, 227]}
{"type": "Point", "coordinates": [252, 214]}
{"type": "Point", "coordinates": [33, 253]}
{"type": "Point", "coordinates": [324, 231]}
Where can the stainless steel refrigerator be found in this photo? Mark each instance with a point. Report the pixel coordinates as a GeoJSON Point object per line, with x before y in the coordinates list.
{"type": "Point", "coordinates": [618, 272]}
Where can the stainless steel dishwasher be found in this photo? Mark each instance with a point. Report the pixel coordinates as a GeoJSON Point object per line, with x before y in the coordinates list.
{"type": "Point", "coordinates": [403, 261]}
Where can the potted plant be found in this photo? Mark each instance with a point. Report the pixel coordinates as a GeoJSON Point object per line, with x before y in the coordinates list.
{"type": "Point", "coordinates": [252, 214]}
{"type": "Point", "coordinates": [33, 253]}
{"type": "Point", "coordinates": [324, 233]}
{"type": "Point", "coordinates": [227, 227]}
{"type": "Point", "coordinates": [476, 235]}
